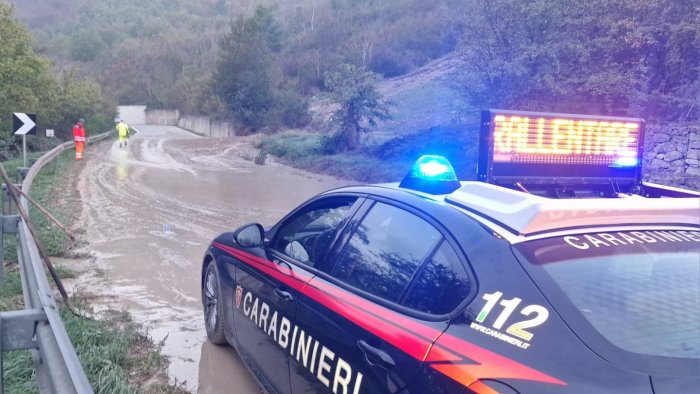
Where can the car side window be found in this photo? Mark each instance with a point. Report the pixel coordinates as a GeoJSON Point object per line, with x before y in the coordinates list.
{"type": "Point", "coordinates": [307, 236]}
{"type": "Point", "coordinates": [385, 251]}
{"type": "Point", "coordinates": [440, 285]}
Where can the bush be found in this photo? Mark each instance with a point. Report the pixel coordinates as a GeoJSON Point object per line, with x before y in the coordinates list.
{"type": "Point", "coordinates": [292, 145]}
{"type": "Point", "coordinates": [294, 109]}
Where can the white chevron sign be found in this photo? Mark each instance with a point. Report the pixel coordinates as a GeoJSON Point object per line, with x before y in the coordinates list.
{"type": "Point", "coordinates": [24, 123]}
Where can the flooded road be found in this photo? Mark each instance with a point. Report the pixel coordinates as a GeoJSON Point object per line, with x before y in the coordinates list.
{"type": "Point", "coordinates": [149, 211]}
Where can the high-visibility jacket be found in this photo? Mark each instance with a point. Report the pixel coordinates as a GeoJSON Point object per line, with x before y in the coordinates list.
{"type": "Point", "coordinates": [78, 133]}
{"type": "Point", "coordinates": [123, 129]}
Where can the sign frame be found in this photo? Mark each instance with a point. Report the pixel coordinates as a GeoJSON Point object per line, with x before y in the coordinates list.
{"type": "Point", "coordinates": [495, 172]}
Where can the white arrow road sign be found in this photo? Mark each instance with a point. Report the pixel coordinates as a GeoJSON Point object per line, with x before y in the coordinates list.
{"type": "Point", "coordinates": [24, 123]}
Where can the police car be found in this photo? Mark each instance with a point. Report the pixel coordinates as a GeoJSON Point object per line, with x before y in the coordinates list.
{"type": "Point", "coordinates": [558, 271]}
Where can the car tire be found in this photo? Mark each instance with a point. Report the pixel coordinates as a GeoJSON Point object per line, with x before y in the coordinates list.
{"type": "Point", "coordinates": [213, 305]}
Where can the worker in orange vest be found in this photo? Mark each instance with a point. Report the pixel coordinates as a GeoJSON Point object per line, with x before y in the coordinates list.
{"type": "Point", "coordinates": [79, 139]}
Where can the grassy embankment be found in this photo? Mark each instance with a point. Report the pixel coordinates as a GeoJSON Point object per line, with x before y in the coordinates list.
{"type": "Point", "coordinates": [386, 162]}
{"type": "Point", "coordinates": [389, 150]}
{"type": "Point", "coordinates": [116, 354]}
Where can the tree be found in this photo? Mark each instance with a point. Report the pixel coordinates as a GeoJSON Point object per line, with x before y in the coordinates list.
{"type": "Point", "coordinates": [353, 89]}
{"type": "Point", "coordinates": [626, 57]}
{"type": "Point", "coordinates": [249, 80]}
{"type": "Point", "coordinates": [24, 77]}
{"type": "Point", "coordinates": [29, 85]}
{"type": "Point", "coordinates": [244, 76]}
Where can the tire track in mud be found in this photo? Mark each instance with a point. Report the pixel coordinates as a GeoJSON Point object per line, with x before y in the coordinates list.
{"type": "Point", "coordinates": [149, 211]}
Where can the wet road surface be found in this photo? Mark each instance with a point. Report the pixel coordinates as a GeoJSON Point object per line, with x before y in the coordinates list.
{"type": "Point", "coordinates": [149, 211]}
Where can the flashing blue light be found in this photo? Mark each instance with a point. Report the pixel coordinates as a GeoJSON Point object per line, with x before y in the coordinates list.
{"type": "Point", "coordinates": [432, 168]}
{"type": "Point", "coordinates": [626, 162]}
{"type": "Point", "coordinates": [431, 174]}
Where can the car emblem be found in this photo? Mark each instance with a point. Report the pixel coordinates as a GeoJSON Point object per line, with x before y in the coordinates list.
{"type": "Point", "coordinates": [239, 293]}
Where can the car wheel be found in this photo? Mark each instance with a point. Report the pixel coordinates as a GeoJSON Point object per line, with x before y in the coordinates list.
{"type": "Point", "coordinates": [213, 306]}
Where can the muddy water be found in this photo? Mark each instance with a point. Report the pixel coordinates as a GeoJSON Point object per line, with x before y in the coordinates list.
{"type": "Point", "coordinates": [149, 211]}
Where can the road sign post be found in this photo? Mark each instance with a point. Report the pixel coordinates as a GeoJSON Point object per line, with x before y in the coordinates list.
{"type": "Point", "coordinates": [24, 124]}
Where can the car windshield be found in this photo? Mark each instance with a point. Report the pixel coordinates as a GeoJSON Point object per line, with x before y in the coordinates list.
{"type": "Point", "coordinates": [640, 290]}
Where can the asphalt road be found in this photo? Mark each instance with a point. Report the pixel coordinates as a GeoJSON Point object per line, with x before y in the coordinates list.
{"type": "Point", "coordinates": [149, 211]}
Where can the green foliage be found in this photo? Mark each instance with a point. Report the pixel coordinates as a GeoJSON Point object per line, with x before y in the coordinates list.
{"type": "Point", "coordinates": [45, 191]}
{"type": "Point", "coordinates": [24, 76]}
{"type": "Point", "coordinates": [70, 99]}
{"type": "Point", "coordinates": [388, 162]}
{"type": "Point", "coordinates": [626, 57]}
{"type": "Point", "coordinates": [390, 37]}
{"type": "Point", "coordinates": [630, 57]}
{"type": "Point", "coordinates": [11, 286]}
{"type": "Point", "coordinates": [29, 85]}
{"type": "Point", "coordinates": [248, 81]}
{"type": "Point", "coordinates": [458, 144]}
{"type": "Point", "coordinates": [86, 46]}
{"type": "Point", "coordinates": [103, 352]}
{"type": "Point", "coordinates": [292, 145]}
{"type": "Point", "coordinates": [354, 90]}
{"type": "Point", "coordinates": [163, 53]}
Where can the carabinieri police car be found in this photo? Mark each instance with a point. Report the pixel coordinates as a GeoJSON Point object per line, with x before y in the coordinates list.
{"type": "Point", "coordinates": [558, 271]}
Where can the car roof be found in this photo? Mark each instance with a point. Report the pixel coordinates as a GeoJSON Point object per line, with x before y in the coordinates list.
{"type": "Point", "coordinates": [519, 216]}
{"type": "Point", "coordinates": [527, 214]}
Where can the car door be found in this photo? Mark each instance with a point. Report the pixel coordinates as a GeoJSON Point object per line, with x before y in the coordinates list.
{"type": "Point", "coordinates": [358, 335]}
{"type": "Point", "coordinates": [267, 290]}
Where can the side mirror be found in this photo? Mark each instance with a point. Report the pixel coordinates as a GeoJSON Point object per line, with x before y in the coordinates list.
{"type": "Point", "coordinates": [249, 235]}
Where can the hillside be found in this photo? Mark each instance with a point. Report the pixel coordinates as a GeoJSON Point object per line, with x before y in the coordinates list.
{"type": "Point", "coordinates": [162, 53]}
{"type": "Point", "coordinates": [421, 99]}
{"type": "Point", "coordinates": [264, 67]}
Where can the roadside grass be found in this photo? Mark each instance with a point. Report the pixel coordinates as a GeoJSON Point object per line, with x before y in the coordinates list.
{"type": "Point", "coordinates": [115, 352]}
{"type": "Point", "coordinates": [385, 162]}
{"type": "Point", "coordinates": [47, 191]}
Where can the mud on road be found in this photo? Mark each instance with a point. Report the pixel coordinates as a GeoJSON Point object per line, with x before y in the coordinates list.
{"type": "Point", "coordinates": [148, 212]}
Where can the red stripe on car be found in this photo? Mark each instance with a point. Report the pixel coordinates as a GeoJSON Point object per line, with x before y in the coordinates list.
{"type": "Point", "coordinates": [410, 336]}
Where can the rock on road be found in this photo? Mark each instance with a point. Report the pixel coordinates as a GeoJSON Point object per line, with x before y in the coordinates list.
{"type": "Point", "coordinates": [149, 211]}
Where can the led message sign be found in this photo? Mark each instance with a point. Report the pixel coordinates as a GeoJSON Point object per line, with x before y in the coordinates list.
{"type": "Point", "coordinates": [520, 143]}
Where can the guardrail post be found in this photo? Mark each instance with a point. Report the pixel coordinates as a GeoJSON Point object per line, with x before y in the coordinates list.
{"type": "Point", "coordinates": [21, 174]}
{"type": "Point", "coordinates": [17, 333]}
{"type": "Point", "coordinates": [7, 199]}
{"type": "Point", "coordinates": [8, 225]}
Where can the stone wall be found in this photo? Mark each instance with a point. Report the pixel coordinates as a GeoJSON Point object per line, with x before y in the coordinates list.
{"type": "Point", "coordinates": [672, 155]}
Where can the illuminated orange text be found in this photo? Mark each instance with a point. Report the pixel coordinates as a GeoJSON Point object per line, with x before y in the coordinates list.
{"type": "Point", "coordinates": [579, 141]}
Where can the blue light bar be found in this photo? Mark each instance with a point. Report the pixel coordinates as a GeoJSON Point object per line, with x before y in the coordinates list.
{"type": "Point", "coordinates": [431, 174]}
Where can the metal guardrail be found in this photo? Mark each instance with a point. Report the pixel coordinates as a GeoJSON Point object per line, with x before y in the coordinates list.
{"type": "Point", "coordinates": [39, 327]}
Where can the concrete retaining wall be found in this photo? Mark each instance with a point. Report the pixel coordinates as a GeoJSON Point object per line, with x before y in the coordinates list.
{"type": "Point", "coordinates": [672, 155]}
{"type": "Point", "coordinates": [198, 124]}
{"type": "Point", "coordinates": [205, 126]}
{"type": "Point", "coordinates": [139, 114]}
{"type": "Point", "coordinates": [162, 116]}
{"type": "Point", "coordinates": [132, 114]}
